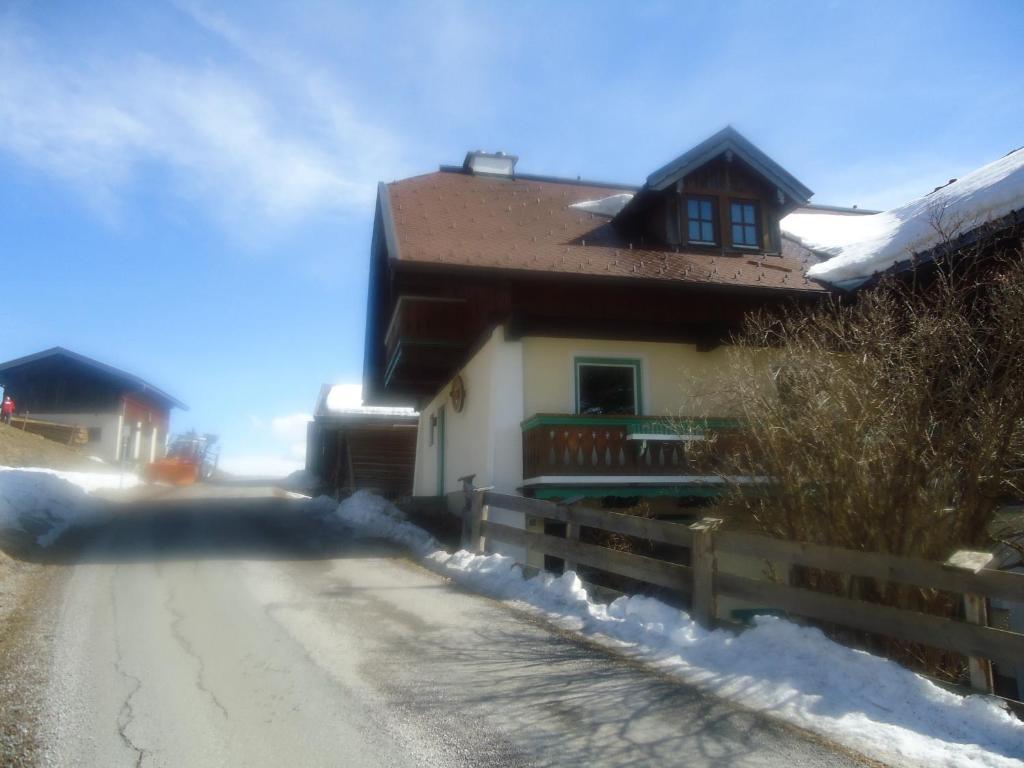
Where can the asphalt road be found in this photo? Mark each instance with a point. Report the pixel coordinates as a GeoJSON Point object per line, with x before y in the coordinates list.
{"type": "Point", "coordinates": [241, 634]}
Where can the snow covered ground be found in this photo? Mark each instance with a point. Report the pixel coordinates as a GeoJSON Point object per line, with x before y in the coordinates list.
{"type": "Point", "coordinates": [43, 503]}
{"type": "Point", "coordinates": [869, 704]}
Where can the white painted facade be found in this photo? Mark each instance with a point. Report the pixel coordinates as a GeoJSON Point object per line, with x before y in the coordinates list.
{"type": "Point", "coordinates": [507, 382]}
{"type": "Point", "coordinates": [144, 442]}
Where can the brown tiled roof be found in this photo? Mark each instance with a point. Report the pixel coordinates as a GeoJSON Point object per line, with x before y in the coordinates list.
{"type": "Point", "coordinates": [452, 218]}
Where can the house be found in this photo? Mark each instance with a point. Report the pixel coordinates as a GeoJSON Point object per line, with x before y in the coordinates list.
{"type": "Point", "coordinates": [350, 448]}
{"type": "Point", "coordinates": [126, 417]}
{"type": "Point", "coordinates": [547, 329]}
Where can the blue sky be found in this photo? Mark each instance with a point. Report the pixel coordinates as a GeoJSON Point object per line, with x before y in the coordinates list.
{"type": "Point", "coordinates": [186, 188]}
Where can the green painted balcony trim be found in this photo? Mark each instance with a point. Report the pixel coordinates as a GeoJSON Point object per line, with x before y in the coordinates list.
{"type": "Point", "coordinates": [663, 425]}
{"type": "Point", "coordinates": [674, 491]}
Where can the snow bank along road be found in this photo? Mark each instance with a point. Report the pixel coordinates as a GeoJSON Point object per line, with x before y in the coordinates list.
{"type": "Point", "coordinates": [245, 633]}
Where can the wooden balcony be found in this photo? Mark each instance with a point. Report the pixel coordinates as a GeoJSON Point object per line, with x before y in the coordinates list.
{"type": "Point", "coordinates": [567, 449]}
{"type": "Point", "coordinates": [425, 340]}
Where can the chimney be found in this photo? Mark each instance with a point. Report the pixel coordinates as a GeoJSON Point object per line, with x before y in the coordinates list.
{"type": "Point", "coordinates": [490, 164]}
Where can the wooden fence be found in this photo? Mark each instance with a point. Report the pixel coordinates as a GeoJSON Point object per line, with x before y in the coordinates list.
{"type": "Point", "coordinates": [704, 581]}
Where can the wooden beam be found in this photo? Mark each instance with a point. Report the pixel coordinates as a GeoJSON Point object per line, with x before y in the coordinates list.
{"type": "Point", "coordinates": [876, 565]}
{"type": "Point", "coordinates": [705, 567]}
{"type": "Point", "coordinates": [664, 574]}
{"type": "Point", "coordinates": [615, 522]}
{"type": "Point", "coordinates": [934, 631]}
{"type": "Point", "coordinates": [975, 612]}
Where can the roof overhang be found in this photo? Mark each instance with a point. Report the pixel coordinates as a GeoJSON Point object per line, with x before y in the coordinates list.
{"type": "Point", "coordinates": [129, 381]}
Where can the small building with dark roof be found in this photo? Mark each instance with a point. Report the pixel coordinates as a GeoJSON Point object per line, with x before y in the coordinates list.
{"type": "Point", "coordinates": [127, 418]}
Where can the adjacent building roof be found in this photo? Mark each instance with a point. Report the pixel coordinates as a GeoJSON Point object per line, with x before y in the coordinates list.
{"type": "Point", "coordinates": [856, 247]}
{"type": "Point", "coordinates": [452, 218]}
{"type": "Point", "coordinates": [130, 383]}
{"type": "Point", "coordinates": [335, 403]}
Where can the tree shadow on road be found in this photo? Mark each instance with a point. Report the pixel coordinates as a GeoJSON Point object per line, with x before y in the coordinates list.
{"type": "Point", "coordinates": [575, 703]}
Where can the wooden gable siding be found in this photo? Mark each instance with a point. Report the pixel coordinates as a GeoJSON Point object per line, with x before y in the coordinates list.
{"type": "Point", "coordinates": [57, 385]}
{"type": "Point", "coordinates": [725, 182]}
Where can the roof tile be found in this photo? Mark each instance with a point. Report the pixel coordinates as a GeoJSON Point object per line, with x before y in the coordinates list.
{"type": "Point", "coordinates": [526, 224]}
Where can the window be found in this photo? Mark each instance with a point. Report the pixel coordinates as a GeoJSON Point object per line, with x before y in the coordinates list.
{"type": "Point", "coordinates": [744, 225]}
{"type": "Point", "coordinates": [607, 386]}
{"type": "Point", "coordinates": [700, 220]}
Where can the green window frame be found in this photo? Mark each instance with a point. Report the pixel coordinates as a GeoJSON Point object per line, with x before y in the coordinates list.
{"type": "Point", "coordinates": [618, 362]}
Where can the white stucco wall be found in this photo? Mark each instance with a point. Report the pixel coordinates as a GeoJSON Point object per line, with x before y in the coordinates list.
{"type": "Point", "coordinates": [109, 424]}
{"type": "Point", "coordinates": [484, 438]}
{"type": "Point", "coordinates": [674, 376]}
{"type": "Point", "coordinates": [509, 381]}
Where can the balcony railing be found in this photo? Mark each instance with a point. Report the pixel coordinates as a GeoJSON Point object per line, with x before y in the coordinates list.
{"type": "Point", "coordinates": [571, 445]}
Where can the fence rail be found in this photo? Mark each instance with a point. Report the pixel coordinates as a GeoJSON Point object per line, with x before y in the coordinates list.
{"type": "Point", "coordinates": [704, 580]}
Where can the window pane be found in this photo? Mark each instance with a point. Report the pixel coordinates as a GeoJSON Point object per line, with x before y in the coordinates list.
{"type": "Point", "coordinates": [737, 212]}
{"type": "Point", "coordinates": [737, 234]}
{"type": "Point", "coordinates": [705, 210]}
{"type": "Point", "coordinates": [750, 235]}
{"type": "Point", "coordinates": [694, 229]}
{"type": "Point", "coordinates": [607, 389]}
{"type": "Point", "coordinates": [707, 232]}
{"type": "Point", "coordinates": [748, 214]}
{"type": "Point", "coordinates": [692, 209]}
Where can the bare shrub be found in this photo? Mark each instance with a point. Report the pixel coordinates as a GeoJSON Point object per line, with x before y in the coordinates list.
{"type": "Point", "coordinates": [890, 423]}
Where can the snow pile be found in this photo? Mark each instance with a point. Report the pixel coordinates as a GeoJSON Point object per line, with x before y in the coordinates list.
{"type": "Point", "coordinates": [42, 503]}
{"type": "Point", "coordinates": [348, 399]}
{"type": "Point", "coordinates": [859, 246]}
{"type": "Point", "coordinates": [605, 206]}
{"type": "Point", "coordinates": [795, 673]}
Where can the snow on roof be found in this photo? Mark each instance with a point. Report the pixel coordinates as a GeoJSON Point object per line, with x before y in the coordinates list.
{"type": "Point", "coordinates": [605, 206]}
{"type": "Point", "coordinates": [348, 399]}
{"type": "Point", "coordinates": [858, 246]}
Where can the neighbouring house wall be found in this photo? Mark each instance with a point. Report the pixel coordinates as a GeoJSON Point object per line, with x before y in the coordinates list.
{"type": "Point", "coordinates": [109, 424]}
{"type": "Point", "coordinates": [674, 376]}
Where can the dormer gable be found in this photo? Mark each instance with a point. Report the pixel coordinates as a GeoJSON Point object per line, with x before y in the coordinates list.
{"type": "Point", "coordinates": [724, 195]}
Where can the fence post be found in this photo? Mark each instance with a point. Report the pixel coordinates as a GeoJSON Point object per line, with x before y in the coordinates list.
{"type": "Point", "coordinates": [572, 532]}
{"type": "Point", "coordinates": [975, 612]}
{"type": "Point", "coordinates": [477, 514]}
{"type": "Point", "coordinates": [704, 564]}
{"type": "Point", "coordinates": [467, 509]}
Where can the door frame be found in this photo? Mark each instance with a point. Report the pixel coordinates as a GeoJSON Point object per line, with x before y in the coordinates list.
{"type": "Point", "coordinates": [440, 450]}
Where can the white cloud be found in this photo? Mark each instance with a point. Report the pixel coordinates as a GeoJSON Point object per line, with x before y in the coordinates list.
{"type": "Point", "coordinates": [224, 137]}
{"type": "Point", "coordinates": [290, 428]}
{"type": "Point", "coordinates": [260, 466]}
{"type": "Point", "coordinates": [285, 440]}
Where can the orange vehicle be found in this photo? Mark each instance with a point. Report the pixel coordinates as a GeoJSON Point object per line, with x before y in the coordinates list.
{"type": "Point", "coordinates": [191, 457]}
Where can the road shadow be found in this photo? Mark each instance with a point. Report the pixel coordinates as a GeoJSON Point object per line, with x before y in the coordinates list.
{"type": "Point", "coordinates": [201, 529]}
{"type": "Point", "coordinates": [574, 703]}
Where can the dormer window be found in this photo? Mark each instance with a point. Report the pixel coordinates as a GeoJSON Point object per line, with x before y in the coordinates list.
{"type": "Point", "coordinates": [743, 217]}
{"type": "Point", "coordinates": [700, 220]}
